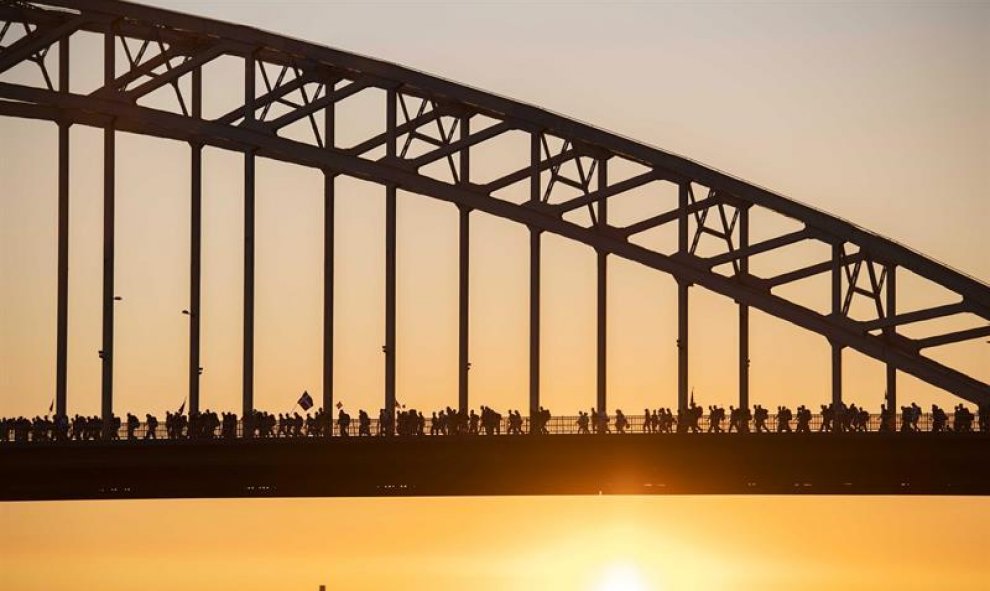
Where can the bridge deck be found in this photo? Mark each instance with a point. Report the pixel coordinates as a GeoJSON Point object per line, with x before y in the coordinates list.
{"type": "Point", "coordinates": [852, 463]}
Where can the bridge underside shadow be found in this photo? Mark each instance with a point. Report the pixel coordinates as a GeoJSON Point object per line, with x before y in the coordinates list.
{"type": "Point", "coordinates": [930, 464]}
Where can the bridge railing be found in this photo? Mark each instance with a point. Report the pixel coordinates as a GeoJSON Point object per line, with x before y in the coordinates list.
{"type": "Point", "coordinates": [557, 425]}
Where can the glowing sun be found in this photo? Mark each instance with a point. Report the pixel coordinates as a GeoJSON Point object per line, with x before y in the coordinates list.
{"type": "Point", "coordinates": [621, 577]}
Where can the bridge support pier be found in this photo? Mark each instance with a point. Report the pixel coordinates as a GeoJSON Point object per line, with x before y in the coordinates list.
{"type": "Point", "coordinates": [62, 319]}
{"type": "Point", "coordinates": [109, 199]}
{"type": "Point", "coordinates": [195, 245]}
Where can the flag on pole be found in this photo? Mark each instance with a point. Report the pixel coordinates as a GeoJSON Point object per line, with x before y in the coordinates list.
{"type": "Point", "coordinates": [305, 401]}
{"type": "Point", "coordinates": [340, 405]}
{"type": "Point", "coordinates": [182, 409]}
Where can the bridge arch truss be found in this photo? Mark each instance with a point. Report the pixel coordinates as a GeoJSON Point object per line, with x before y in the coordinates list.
{"type": "Point", "coordinates": [432, 134]}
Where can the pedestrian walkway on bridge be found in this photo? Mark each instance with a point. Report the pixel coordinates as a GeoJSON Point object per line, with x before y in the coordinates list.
{"type": "Point", "coordinates": [208, 425]}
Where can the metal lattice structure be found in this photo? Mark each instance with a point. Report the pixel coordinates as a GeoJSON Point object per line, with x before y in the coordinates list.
{"type": "Point", "coordinates": [433, 132]}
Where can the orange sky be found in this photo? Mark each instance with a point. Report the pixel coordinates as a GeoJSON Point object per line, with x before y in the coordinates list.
{"type": "Point", "coordinates": [877, 114]}
{"type": "Point", "coordinates": [566, 543]}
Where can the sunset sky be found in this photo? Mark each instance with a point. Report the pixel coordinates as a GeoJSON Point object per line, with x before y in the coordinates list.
{"type": "Point", "coordinates": [877, 113]}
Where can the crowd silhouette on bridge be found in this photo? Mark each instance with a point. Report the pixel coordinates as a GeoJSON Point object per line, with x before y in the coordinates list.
{"type": "Point", "coordinates": [831, 418]}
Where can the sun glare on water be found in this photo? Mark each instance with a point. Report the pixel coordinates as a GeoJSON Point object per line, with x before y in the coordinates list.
{"type": "Point", "coordinates": [621, 577]}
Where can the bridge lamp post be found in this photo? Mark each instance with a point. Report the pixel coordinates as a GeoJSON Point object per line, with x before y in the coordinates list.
{"type": "Point", "coordinates": [106, 356]}
{"type": "Point", "coordinates": [195, 370]}
{"type": "Point", "coordinates": [463, 403]}
{"type": "Point", "coordinates": [389, 394]}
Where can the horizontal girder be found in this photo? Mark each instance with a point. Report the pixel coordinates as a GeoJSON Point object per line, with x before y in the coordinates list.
{"type": "Point", "coordinates": [851, 463]}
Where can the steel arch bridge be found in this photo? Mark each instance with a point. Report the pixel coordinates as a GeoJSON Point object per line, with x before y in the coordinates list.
{"type": "Point", "coordinates": [433, 134]}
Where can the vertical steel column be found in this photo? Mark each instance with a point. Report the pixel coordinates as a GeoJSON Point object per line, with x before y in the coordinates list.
{"type": "Point", "coordinates": [195, 244]}
{"type": "Point", "coordinates": [602, 292]}
{"type": "Point", "coordinates": [329, 134]}
{"type": "Point", "coordinates": [534, 287]}
{"type": "Point", "coordinates": [743, 311]}
{"type": "Point", "coordinates": [890, 332]}
{"type": "Point", "coordinates": [837, 266]}
{"type": "Point", "coordinates": [682, 303]}
{"type": "Point", "coordinates": [836, 373]}
{"type": "Point", "coordinates": [682, 345]}
{"type": "Point", "coordinates": [390, 264]}
{"type": "Point", "coordinates": [247, 379]}
{"type": "Point", "coordinates": [109, 157]}
{"type": "Point", "coordinates": [62, 319]}
{"type": "Point", "coordinates": [534, 324]}
{"type": "Point", "coordinates": [463, 364]}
